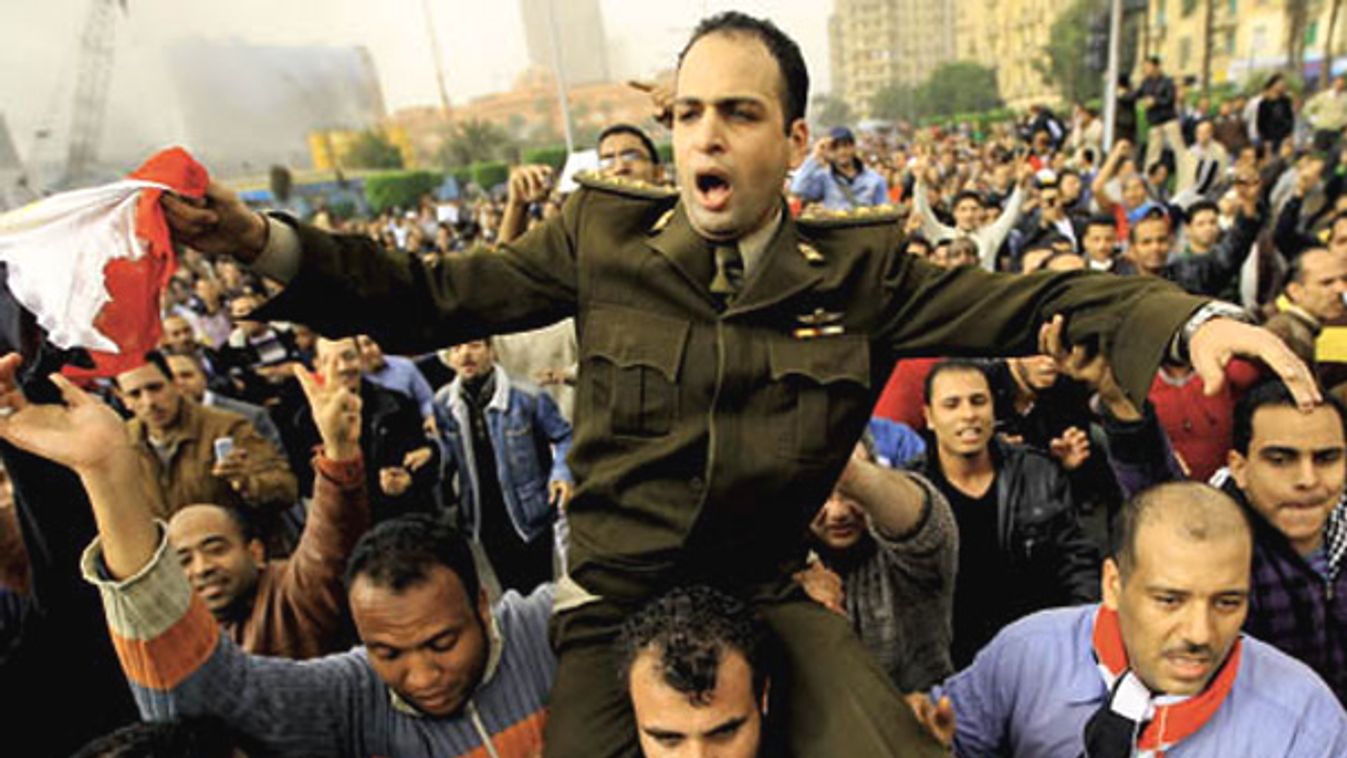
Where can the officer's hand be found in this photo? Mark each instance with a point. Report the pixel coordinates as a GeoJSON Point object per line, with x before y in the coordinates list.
{"type": "Point", "coordinates": [417, 458]}
{"type": "Point", "coordinates": [219, 224]}
{"type": "Point", "coordinates": [937, 718]}
{"type": "Point", "coordinates": [1221, 339]}
{"type": "Point", "coordinates": [529, 184]}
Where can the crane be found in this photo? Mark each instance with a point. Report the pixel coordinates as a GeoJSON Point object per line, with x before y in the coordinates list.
{"type": "Point", "coordinates": [94, 74]}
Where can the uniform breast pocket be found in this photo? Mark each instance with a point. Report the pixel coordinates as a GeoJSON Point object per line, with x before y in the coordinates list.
{"type": "Point", "coordinates": [825, 380]}
{"type": "Point", "coordinates": [632, 360]}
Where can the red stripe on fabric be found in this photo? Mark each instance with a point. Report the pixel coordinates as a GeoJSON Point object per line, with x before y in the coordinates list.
{"type": "Point", "coordinates": [1174, 723]}
{"type": "Point", "coordinates": [1108, 641]}
{"type": "Point", "coordinates": [523, 739]}
{"type": "Point", "coordinates": [163, 662]}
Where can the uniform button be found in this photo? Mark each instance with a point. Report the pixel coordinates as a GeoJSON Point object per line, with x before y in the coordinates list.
{"type": "Point", "coordinates": [696, 483]}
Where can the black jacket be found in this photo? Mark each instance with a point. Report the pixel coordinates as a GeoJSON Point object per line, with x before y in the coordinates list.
{"type": "Point", "coordinates": [1055, 563]}
{"type": "Point", "coordinates": [1212, 274]}
{"type": "Point", "coordinates": [1161, 90]}
{"type": "Point", "coordinates": [390, 427]}
{"type": "Point", "coordinates": [1276, 120]}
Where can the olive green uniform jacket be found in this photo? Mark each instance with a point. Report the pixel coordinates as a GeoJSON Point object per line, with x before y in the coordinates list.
{"type": "Point", "coordinates": [705, 440]}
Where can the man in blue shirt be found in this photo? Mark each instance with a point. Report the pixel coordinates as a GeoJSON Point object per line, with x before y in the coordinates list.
{"type": "Point", "coordinates": [1160, 668]}
{"type": "Point", "coordinates": [398, 374]}
{"type": "Point", "coordinates": [836, 177]}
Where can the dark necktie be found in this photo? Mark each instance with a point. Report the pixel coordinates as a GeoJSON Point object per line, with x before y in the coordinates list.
{"type": "Point", "coordinates": [729, 278]}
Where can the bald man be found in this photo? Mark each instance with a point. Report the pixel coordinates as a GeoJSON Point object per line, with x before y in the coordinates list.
{"type": "Point", "coordinates": [1160, 666]}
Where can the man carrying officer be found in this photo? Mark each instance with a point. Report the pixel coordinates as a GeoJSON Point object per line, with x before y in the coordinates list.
{"type": "Point", "coordinates": [730, 355]}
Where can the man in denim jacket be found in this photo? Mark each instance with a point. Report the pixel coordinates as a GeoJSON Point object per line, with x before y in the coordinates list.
{"type": "Point", "coordinates": [507, 442]}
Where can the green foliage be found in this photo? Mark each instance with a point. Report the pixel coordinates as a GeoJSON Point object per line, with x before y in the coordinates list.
{"type": "Point", "coordinates": [475, 140]}
{"type": "Point", "coordinates": [1068, 46]}
{"type": "Point", "coordinates": [399, 189]}
{"type": "Point", "coordinates": [954, 88]}
{"type": "Point", "coordinates": [896, 101]}
{"type": "Point", "coordinates": [372, 149]}
{"type": "Point", "coordinates": [830, 111]}
{"type": "Point", "coordinates": [488, 174]}
{"type": "Point", "coordinates": [553, 155]}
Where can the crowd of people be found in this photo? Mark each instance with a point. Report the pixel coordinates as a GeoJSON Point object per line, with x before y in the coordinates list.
{"type": "Point", "coordinates": [875, 443]}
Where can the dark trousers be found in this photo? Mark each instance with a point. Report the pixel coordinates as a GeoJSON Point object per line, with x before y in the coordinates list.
{"type": "Point", "coordinates": [832, 700]}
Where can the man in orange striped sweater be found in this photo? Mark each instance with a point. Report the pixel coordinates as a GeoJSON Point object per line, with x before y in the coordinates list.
{"type": "Point", "coordinates": [442, 673]}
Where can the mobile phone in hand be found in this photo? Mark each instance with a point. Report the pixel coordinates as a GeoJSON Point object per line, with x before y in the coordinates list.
{"type": "Point", "coordinates": [223, 447]}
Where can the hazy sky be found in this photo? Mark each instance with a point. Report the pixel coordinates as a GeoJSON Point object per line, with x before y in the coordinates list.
{"type": "Point", "coordinates": [482, 44]}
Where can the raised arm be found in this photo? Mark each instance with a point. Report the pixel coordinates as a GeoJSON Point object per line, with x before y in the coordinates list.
{"type": "Point", "coordinates": [343, 284]}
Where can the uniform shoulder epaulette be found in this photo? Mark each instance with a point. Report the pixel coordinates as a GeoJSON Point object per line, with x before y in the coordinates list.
{"type": "Point", "coordinates": [866, 215]}
{"type": "Point", "coordinates": [623, 186]}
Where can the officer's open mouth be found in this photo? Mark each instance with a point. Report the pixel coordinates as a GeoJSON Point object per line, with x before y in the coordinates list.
{"type": "Point", "coordinates": [713, 189]}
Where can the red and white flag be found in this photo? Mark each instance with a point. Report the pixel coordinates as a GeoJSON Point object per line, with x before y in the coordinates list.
{"type": "Point", "coordinates": [90, 264]}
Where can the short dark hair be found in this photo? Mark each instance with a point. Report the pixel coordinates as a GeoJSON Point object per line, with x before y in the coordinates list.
{"type": "Point", "coordinates": [636, 132]}
{"type": "Point", "coordinates": [1204, 521]}
{"type": "Point", "coordinates": [1156, 213]}
{"type": "Point", "coordinates": [794, 74]}
{"type": "Point", "coordinates": [1268, 394]}
{"type": "Point", "coordinates": [198, 737]}
{"type": "Point", "coordinates": [1200, 206]}
{"type": "Point", "coordinates": [1101, 219]}
{"type": "Point", "coordinates": [157, 359]}
{"type": "Point", "coordinates": [967, 194]}
{"type": "Point", "coordinates": [950, 365]}
{"type": "Point", "coordinates": [401, 552]}
{"type": "Point", "coordinates": [1154, 60]}
{"type": "Point", "coordinates": [1295, 269]}
{"type": "Point", "coordinates": [917, 239]}
{"type": "Point", "coordinates": [691, 629]}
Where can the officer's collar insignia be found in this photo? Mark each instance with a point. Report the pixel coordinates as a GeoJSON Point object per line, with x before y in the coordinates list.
{"type": "Point", "coordinates": [662, 221]}
{"type": "Point", "coordinates": [864, 215]}
{"type": "Point", "coordinates": [811, 254]}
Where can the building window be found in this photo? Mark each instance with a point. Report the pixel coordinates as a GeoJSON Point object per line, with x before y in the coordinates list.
{"type": "Point", "coordinates": [1311, 33]}
{"type": "Point", "coordinates": [1233, 7]}
{"type": "Point", "coordinates": [1188, 7]}
{"type": "Point", "coordinates": [1160, 13]}
{"type": "Point", "coordinates": [1185, 51]}
{"type": "Point", "coordinates": [1230, 42]}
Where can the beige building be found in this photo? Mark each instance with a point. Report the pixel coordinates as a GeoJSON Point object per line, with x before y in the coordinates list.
{"type": "Point", "coordinates": [1009, 36]}
{"type": "Point", "coordinates": [874, 43]}
{"type": "Point", "coordinates": [1248, 36]}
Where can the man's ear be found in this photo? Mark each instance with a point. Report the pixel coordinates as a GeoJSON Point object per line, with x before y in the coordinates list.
{"type": "Point", "coordinates": [1110, 584]}
{"type": "Point", "coordinates": [483, 605]}
{"type": "Point", "coordinates": [798, 136]}
{"type": "Point", "coordinates": [1239, 467]}
{"type": "Point", "coordinates": [765, 705]}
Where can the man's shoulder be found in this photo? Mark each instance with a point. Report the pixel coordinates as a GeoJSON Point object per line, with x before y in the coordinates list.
{"type": "Point", "coordinates": [620, 187]}
{"type": "Point", "coordinates": [1283, 681]}
{"type": "Point", "coordinates": [868, 218]}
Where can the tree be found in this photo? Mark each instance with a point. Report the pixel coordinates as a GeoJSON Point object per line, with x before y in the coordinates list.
{"type": "Point", "coordinates": [896, 101]}
{"type": "Point", "coordinates": [372, 149]}
{"type": "Point", "coordinates": [959, 87]}
{"type": "Point", "coordinates": [1327, 77]}
{"type": "Point", "coordinates": [474, 140]}
{"type": "Point", "coordinates": [1297, 21]}
{"type": "Point", "coordinates": [830, 111]}
{"type": "Point", "coordinates": [1069, 43]}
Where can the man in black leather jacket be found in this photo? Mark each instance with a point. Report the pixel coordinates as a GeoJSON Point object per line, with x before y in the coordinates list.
{"type": "Point", "coordinates": [1021, 546]}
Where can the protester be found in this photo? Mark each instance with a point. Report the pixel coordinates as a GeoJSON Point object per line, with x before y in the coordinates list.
{"type": "Point", "coordinates": [836, 177]}
{"type": "Point", "coordinates": [1159, 666]}
{"type": "Point", "coordinates": [506, 445]}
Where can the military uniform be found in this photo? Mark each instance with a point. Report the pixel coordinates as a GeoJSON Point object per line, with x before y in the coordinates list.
{"type": "Point", "coordinates": [706, 437]}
